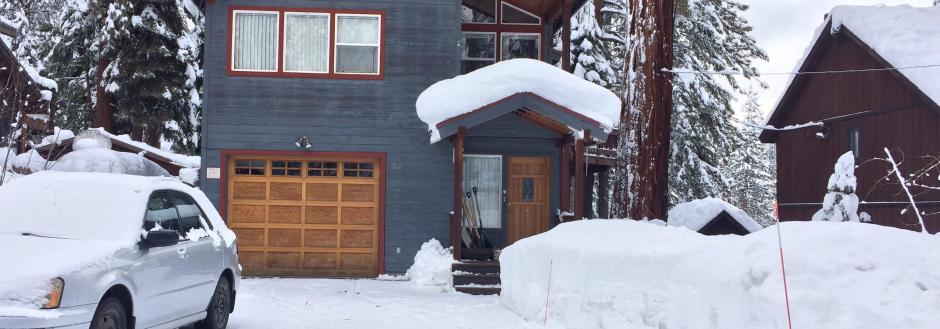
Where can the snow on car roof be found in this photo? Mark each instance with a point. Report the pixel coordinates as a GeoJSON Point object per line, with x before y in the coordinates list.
{"type": "Point", "coordinates": [463, 94]}
{"type": "Point", "coordinates": [86, 206]}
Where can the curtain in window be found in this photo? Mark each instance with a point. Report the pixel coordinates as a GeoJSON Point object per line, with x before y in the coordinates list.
{"type": "Point", "coordinates": [307, 43]}
{"type": "Point", "coordinates": [486, 174]}
{"type": "Point", "coordinates": [357, 44]}
{"type": "Point", "coordinates": [255, 41]}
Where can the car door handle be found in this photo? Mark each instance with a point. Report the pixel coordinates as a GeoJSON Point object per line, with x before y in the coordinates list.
{"type": "Point", "coordinates": [182, 253]}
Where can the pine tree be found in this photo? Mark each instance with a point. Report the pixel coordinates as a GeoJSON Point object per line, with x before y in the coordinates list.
{"type": "Point", "coordinates": [710, 36]}
{"type": "Point", "coordinates": [752, 174]}
{"type": "Point", "coordinates": [589, 54]}
{"type": "Point", "coordinates": [840, 203]}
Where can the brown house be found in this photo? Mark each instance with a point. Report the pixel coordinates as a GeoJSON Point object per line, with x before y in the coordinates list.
{"type": "Point", "coordinates": [27, 97]}
{"type": "Point", "coordinates": [888, 99]}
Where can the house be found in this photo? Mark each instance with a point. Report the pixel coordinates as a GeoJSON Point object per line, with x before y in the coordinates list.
{"type": "Point", "coordinates": [25, 94]}
{"type": "Point", "coordinates": [317, 155]}
{"type": "Point", "coordinates": [712, 216]}
{"type": "Point", "coordinates": [892, 101]}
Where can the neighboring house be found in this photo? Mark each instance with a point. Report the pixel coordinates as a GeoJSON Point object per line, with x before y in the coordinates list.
{"type": "Point", "coordinates": [315, 154]}
{"type": "Point", "coordinates": [27, 97]}
{"type": "Point", "coordinates": [863, 112]}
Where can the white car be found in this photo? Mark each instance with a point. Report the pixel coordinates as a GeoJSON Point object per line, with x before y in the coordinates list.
{"type": "Point", "coordinates": [84, 250]}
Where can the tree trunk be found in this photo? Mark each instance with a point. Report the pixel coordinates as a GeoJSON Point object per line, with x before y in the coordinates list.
{"type": "Point", "coordinates": [137, 133]}
{"type": "Point", "coordinates": [643, 155]}
{"type": "Point", "coordinates": [152, 135]}
{"type": "Point", "coordinates": [102, 99]}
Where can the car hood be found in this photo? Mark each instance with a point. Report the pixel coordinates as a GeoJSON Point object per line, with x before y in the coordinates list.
{"type": "Point", "coordinates": [30, 262]}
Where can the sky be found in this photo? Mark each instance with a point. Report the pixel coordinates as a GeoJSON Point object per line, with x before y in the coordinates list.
{"type": "Point", "coordinates": [784, 28]}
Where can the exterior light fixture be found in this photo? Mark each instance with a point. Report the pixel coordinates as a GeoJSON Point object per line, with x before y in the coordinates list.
{"type": "Point", "coordinates": [823, 132]}
{"type": "Point", "coordinates": [303, 142]}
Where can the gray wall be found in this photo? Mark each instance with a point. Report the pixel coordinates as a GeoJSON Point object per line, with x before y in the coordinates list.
{"type": "Point", "coordinates": [251, 113]}
{"type": "Point", "coordinates": [510, 135]}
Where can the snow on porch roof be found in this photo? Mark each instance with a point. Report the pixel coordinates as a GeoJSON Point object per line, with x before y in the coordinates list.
{"type": "Point", "coordinates": [485, 87]}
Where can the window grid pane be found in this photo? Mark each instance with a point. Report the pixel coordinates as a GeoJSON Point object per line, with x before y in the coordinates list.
{"type": "Point", "coordinates": [307, 43]}
{"type": "Point", "coordinates": [255, 41]}
{"type": "Point", "coordinates": [250, 167]}
{"type": "Point", "coordinates": [357, 44]}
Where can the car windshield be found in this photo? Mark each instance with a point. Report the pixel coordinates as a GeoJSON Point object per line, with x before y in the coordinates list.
{"type": "Point", "coordinates": [82, 210]}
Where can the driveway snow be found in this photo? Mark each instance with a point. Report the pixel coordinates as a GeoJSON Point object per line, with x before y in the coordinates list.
{"type": "Point", "coordinates": [338, 304]}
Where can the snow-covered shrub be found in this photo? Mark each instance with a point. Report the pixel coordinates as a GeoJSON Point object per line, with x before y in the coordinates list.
{"type": "Point", "coordinates": [29, 162]}
{"type": "Point", "coordinates": [841, 203]}
{"type": "Point", "coordinates": [432, 266]}
{"type": "Point", "coordinates": [627, 274]}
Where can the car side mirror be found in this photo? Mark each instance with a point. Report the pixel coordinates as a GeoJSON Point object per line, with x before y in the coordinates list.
{"type": "Point", "coordinates": [161, 238]}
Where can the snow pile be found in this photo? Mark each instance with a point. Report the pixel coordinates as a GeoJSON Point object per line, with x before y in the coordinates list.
{"type": "Point", "coordinates": [58, 136]}
{"type": "Point", "coordinates": [696, 214]}
{"type": "Point", "coordinates": [840, 203]}
{"type": "Point", "coordinates": [90, 155]}
{"type": "Point", "coordinates": [463, 94]}
{"type": "Point", "coordinates": [628, 274]}
{"type": "Point", "coordinates": [30, 161]}
{"type": "Point", "coordinates": [432, 266]}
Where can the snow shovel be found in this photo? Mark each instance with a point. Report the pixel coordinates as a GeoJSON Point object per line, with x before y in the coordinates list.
{"type": "Point", "coordinates": [470, 223]}
{"type": "Point", "coordinates": [476, 203]}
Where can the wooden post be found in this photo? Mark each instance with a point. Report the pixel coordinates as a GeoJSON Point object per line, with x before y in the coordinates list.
{"type": "Point", "coordinates": [457, 219]}
{"type": "Point", "coordinates": [566, 36]}
{"type": "Point", "coordinates": [579, 175]}
{"type": "Point", "coordinates": [603, 193]}
{"type": "Point", "coordinates": [564, 187]}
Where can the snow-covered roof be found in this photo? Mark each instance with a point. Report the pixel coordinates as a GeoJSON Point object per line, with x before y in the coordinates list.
{"type": "Point", "coordinates": [463, 94]}
{"type": "Point", "coordinates": [903, 35]}
{"type": "Point", "coordinates": [184, 161]}
{"type": "Point", "coordinates": [696, 214]}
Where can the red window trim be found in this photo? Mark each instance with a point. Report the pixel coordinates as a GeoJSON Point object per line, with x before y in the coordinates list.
{"type": "Point", "coordinates": [499, 28]}
{"type": "Point", "coordinates": [280, 73]}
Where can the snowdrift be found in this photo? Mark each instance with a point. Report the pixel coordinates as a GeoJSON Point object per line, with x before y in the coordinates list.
{"type": "Point", "coordinates": [627, 274]}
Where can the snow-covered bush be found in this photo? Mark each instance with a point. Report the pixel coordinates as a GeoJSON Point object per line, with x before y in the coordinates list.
{"type": "Point", "coordinates": [841, 203]}
{"type": "Point", "coordinates": [629, 274]}
{"type": "Point", "coordinates": [432, 266]}
{"type": "Point", "coordinates": [29, 162]}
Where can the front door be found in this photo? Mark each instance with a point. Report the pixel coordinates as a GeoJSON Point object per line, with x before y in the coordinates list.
{"type": "Point", "coordinates": [529, 193]}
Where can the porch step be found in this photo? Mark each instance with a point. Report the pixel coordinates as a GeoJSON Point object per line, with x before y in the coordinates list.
{"type": "Point", "coordinates": [477, 254]}
{"type": "Point", "coordinates": [476, 277]}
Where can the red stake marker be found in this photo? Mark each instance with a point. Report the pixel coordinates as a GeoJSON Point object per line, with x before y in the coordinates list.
{"type": "Point", "coordinates": [783, 268]}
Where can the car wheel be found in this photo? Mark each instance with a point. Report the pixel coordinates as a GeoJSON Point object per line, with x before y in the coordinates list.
{"type": "Point", "coordinates": [109, 315]}
{"type": "Point", "coordinates": [219, 306]}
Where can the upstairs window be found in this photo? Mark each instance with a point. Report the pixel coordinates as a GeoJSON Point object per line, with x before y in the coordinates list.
{"type": "Point", "coordinates": [357, 44]}
{"type": "Point", "coordinates": [306, 43]}
{"type": "Point", "coordinates": [515, 15]}
{"type": "Point", "coordinates": [478, 50]}
{"type": "Point", "coordinates": [254, 38]}
{"type": "Point", "coordinates": [478, 11]}
{"type": "Point", "coordinates": [520, 45]}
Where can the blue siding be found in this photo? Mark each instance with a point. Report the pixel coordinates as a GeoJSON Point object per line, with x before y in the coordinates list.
{"type": "Point", "coordinates": [252, 113]}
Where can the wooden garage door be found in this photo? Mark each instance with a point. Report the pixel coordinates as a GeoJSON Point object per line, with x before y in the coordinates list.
{"type": "Point", "coordinates": [299, 216]}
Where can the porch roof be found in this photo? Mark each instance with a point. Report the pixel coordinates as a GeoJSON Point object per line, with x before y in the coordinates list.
{"type": "Point", "coordinates": [537, 91]}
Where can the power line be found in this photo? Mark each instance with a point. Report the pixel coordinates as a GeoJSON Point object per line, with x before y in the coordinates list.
{"type": "Point", "coordinates": [733, 72]}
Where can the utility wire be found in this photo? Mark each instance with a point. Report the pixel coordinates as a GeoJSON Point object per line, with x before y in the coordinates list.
{"type": "Point", "coordinates": [732, 72]}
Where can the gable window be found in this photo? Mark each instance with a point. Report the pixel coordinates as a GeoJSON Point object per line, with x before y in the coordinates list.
{"type": "Point", "coordinates": [255, 41]}
{"type": "Point", "coordinates": [306, 43]}
{"type": "Point", "coordinates": [478, 50]}
{"type": "Point", "coordinates": [853, 141]}
{"type": "Point", "coordinates": [520, 45]}
{"type": "Point", "coordinates": [357, 44]}
{"type": "Point", "coordinates": [478, 11]}
{"type": "Point", "coordinates": [515, 15]}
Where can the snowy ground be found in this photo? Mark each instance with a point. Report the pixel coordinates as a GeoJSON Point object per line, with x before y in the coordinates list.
{"type": "Point", "coordinates": [338, 304]}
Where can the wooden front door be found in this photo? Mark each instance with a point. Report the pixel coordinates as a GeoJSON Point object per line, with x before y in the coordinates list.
{"type": "Point", "coordinates": [529, 193]}
{"type": "Point", "coordinates": [305, 216]}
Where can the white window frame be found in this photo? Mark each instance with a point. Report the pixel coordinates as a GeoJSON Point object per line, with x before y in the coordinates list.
{"type": "Point", "coordinates": [329, 51]}
{"type": "Point", "coordinates": [496, 14]}
{"type": "Point", "coordinates": [337, 44]}
{"type": "Point", "coordinates": [277, 33]}
{"type": "Point", "coordinates": [478, 59]}
{"type": "Point", "coordinates": [502, 46]}
{"type": "Point", "coordinates": [502, 18]}
{"type": "Point", "coordinates": [501, 188]}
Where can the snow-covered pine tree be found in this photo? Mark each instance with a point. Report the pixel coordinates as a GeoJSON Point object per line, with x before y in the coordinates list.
{"type": "Point", "coordinates": [841, 203]}
{"type": "Point", "coordinates": [589, 55]}
{"type": "Point", "coordinates": [34, 21]}
{"type": "Point", "coordinates": [711, 36]}
{"type": "Point", "coordinates": [753, 179]}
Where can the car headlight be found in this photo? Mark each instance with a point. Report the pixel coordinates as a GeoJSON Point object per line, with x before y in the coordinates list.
{"type": "Point", "coordinates": [54, 298]}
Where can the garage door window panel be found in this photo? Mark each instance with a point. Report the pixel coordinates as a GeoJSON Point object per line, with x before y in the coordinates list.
{"type": "Point", "coordinates": [250, 167]}
{"type": "Point", "coordinates": [287, 168]}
